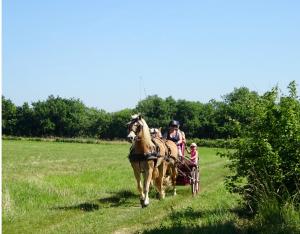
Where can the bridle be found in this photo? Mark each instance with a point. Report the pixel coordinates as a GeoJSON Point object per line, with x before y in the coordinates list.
{"type": "Point", "coordinates": [134, 127]}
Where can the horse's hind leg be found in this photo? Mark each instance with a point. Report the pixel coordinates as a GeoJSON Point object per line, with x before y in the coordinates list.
{"type": "Point", "coordinates": [173, 177]}
{"type": "Point", "coordinates": [137, 174]}
{"type": "Point", "coordinates": [159, 180]}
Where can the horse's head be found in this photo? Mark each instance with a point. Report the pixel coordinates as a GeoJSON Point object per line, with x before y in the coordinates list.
{"type": "Point", "coordinates": [156, 132]}
{"type": "Point", "coordinates": [134, 127]}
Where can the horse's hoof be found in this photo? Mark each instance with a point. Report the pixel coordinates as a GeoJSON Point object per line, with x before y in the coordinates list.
{"type": "Point", "coordinates": [142, 202]}
{"type": "Point", "coordinates": [160, 196]}
{"type": "Point", "coordinates": [146, 202]}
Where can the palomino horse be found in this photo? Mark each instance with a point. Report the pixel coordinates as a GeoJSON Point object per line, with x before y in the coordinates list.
{"type": "Point", "coordinates": [169, 169]}
{"type": "Point", "coordinates": [146, 157]}
{"type": "Point", "coordinates": [142, 156]}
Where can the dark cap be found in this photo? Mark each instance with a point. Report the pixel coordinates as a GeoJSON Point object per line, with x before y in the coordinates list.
{"type": "Point", "coordinates": [174, 123]}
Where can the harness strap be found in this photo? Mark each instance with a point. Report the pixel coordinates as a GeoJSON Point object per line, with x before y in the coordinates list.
{"type": "Point", "coordinates": [169, 149]}
{"type": "Point", "coordinates": [142, 157]}
{"type": "Point", "coordinates": [156, 146]}
{"type": "Point", "coordinates": [169, 157]}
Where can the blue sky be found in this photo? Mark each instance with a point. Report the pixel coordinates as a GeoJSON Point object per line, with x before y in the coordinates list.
{"type": "Point", "coordinates": [111, 53]}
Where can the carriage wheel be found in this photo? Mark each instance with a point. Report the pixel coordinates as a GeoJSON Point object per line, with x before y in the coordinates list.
{"type": "Point", "coordinates": [195, 181]}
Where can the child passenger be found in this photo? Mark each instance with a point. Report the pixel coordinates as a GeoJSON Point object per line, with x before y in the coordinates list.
{"type": "Point", "coordinates": [194, 153]}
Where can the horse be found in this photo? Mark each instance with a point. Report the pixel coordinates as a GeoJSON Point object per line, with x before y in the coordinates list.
{"type": "Point", "coordinates": [161, 163]}
{"type": "Point", "coordinates": [147, 156]}
{"type": "Point", "coordinates": [142, 156]}
{"type": "Point", "coordinates": [170, 149]}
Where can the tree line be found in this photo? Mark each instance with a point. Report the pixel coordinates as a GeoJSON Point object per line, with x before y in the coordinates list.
{"type": "Point", "coordinates": [62, 117]}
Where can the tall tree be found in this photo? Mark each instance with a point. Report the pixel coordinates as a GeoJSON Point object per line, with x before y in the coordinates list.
{"type": "Point", "coordinates": [189, 116]}
{"type": "Point", "coordinates": [25, 121]}
{"type": "Point", "coordinates": [98, 123]}
{"type": "Point", "coordinates": [60, 117]}
{"type": "Point", "coordinates": [9, 120]}
{"type": "Point", "coordinates": [156, 110]}
{"type": "Point", "coordinates": [241, 110]}
{"type": "Point", "coordinates": [117, 128]}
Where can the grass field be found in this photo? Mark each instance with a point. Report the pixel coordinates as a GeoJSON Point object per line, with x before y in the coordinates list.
{"type": "Point", "coordinates": [50, 187]}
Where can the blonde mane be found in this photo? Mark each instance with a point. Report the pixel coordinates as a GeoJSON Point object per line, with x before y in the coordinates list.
{"type": "Point", "coordinates": [146, 134]}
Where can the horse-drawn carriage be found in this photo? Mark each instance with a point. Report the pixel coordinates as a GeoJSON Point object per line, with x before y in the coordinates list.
{"type": "Point", "coordinates": [188, 174]}
{"type": "Point", "coordinates": [157, 160]}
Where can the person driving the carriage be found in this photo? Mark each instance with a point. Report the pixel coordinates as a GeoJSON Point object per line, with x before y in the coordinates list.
{"type": "Point", "coordinates": [183, 144]}
{"type": "Point", "coordinates": [174, 135]}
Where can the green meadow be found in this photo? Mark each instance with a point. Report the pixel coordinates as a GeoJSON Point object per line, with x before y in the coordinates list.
{"type": "Point", "coordinates": [53, 187]}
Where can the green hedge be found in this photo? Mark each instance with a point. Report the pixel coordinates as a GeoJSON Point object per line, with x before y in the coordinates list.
{"type": "Point", "coordinates": [68, 140]}
{"type": "Point", "coordinates": [214, 143]}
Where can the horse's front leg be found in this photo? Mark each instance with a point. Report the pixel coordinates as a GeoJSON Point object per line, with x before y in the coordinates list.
{"type": "Point", "coordinates": [137, 173]}
{"type": "Point", "coordinates": [147, 179]}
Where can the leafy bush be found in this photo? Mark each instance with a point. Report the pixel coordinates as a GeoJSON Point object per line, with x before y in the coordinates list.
{"type": "Point", "coordinates": [274, 217]}
{"type": "Point", "coordinates": [268, 159]}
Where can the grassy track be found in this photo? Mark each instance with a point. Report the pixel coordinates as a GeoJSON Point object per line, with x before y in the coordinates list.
{"type": "Point", "coordinates": [51, 187]}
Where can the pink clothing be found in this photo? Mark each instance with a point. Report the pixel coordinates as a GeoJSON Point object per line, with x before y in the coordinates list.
{"type": "Point", "coordinates": [194, 156]}
{"type": "Point", "coordinates": [179, 150]}
{"type": "Point", "coordinates": [182, 148]}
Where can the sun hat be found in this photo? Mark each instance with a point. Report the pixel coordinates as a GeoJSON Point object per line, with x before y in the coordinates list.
{"type": "Point", "coordinates": [193, 144]}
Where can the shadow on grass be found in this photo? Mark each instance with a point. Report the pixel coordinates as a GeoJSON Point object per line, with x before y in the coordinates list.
{"type": "Point", "coordinates": [189, 221]}
{"type": "Point", "coordinates": [227, 227]}
{"type": "Point", "coordinates": [190, 214]}
{"type": "Point", "coordinates": [87, 207]}
{"type": "Point", "coordinates": [243, 212]}
{"type": "Point", "coordinates": [121, 198]}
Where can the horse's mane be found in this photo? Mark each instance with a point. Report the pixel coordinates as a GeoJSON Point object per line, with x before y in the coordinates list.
{"type": "Point", "coordinates": [146, 134]}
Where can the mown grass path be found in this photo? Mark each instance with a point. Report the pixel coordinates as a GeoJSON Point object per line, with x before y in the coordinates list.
{"type": "Point", "coordinates": [51, 187]}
